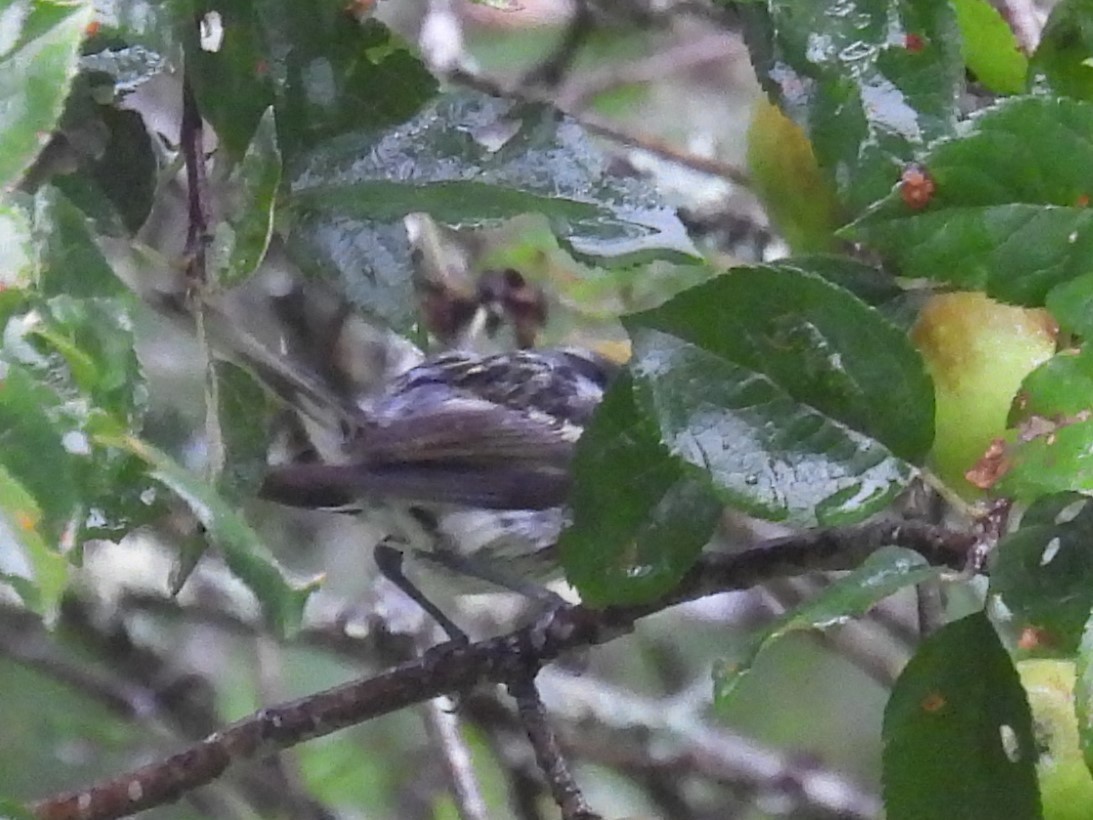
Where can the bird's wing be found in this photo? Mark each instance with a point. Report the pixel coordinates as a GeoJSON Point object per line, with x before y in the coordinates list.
{"type": "Point", "coordinates": [440, 428]}
{"type": "Point", "coordinates": [331, 486]}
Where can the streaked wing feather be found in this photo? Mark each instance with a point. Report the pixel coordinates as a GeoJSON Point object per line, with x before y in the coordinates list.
{"type": "Point", "coordinates": [565, 384]}
{"type": "Point", "coordinates": [463, 429]}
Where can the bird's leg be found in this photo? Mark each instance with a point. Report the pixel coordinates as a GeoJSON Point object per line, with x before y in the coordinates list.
{"type": "Point", "coordinates": [389, 561]}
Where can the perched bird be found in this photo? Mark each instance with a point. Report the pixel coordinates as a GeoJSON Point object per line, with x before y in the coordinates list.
{"type": "Point", "coordinates": [493, 432]}
{"type": "Point", "coordinates": [465, 458]}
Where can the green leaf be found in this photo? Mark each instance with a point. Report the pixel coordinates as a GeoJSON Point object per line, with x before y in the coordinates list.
{"type": "Point", "coordinates": [958, 738]}
{"type": "Point", "coordinates": [71, 370]}
{"type": "Point", "coordinates": [282, 600]}
{"type": "Point", "coordinates": [33, 451]}
{"type": "Point", "coordinates": [878, 289]}
{"type": "Point", "coordinates": [773, 385]}
{"type": "Point", "coordinates": [339, 75]}
{"type": "Point", "coordinates": [1002, 218]}
{"type": "Point", "coordinates": [103, 389]}
{"type": "Point", "coordinates": [467, 159]}
{"type": "Point", "coordinates": [871, 85]}
{"type": "Point", "coordinates": [1071, 305]}
{"type": "Point", "coordinates": [1061, 386]}
{"type": "Point", "coordinates": [885, 572]}
{"type": "Point", "coordinates": [71, 261]}
{"type": "Point", "coordinates": [1060, 65]}
{"type": "Point", "coordinates": [39, 48]}
{"type": "Point", "coordinates": [1056, 460]}
{"type": "Point", "coordinates": [814, 341]}
{"type": "Point", "coordinates": [625, 547]}
{"type": "Point", "coordinates": [1044, 572]}
{"type": "Point", "coordinates": [763, 451]}
{"type": "Point", "coordinates": [1051, 453]}
{"type": "Point", "coordinates": [324, 72]}
{"type": "Point", "coordinates": [446, 201]}
{"type": "Point", "coordinates": [37, 572]}
{"type": "Point", "coordinates": [245, 416]}
{"type": "Point", "coordinates": [990, 49]}
{"type": "Point", "coordinates": [241, 240]}
{"type": "Point", "coordinates": [95, 338]}
{"type": "Point", "coordinates": [798, 196]}
{"type": "Point", "coordinates": [370, 261]}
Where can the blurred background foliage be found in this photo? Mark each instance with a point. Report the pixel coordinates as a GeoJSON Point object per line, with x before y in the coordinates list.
{"type": "Point", "coordinates": [370, 165]}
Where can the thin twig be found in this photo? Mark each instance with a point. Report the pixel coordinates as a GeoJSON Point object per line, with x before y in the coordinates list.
{"type": "Point", "coordinates": [442, 724]}
{"type": "Point", "coordinates": [500, 728]}
{"type": "Point", "coordinates": [577, 31]}
{"type": "Point", "coordinates": [610, 130]}
{"type": "Point", "coordinates": [710, 48]}
{"type": "Point", "coordinates": [663, 149]}
{"type": "Point", "coordinates": [192, 144]}
{"type": "Point", "coordinates": [930, 605]}
{"type": "Point", "coordinates": [548, 751]}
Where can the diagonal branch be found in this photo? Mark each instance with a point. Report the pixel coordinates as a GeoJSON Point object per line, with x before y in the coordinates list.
{"type": "Point", "coordinates": [455, 667]}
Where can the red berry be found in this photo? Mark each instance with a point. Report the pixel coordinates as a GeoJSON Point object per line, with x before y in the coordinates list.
{"type": "Point", "coordinates": [916, 188]}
